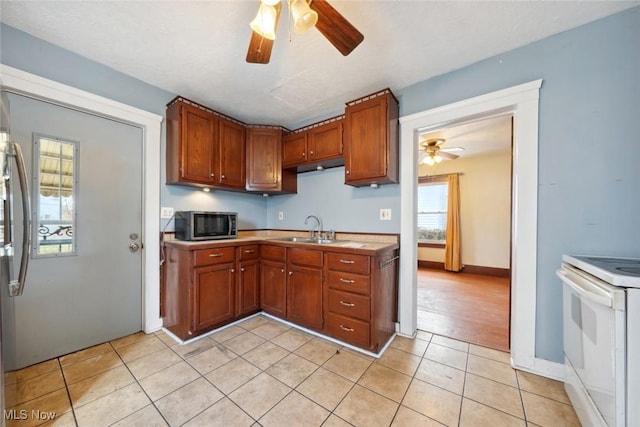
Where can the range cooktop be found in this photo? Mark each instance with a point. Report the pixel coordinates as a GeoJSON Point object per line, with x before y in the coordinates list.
{"type": "Point", "coordinates": [623, 272]}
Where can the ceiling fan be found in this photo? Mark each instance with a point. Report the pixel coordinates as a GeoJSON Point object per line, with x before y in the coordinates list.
{"type": "Point", "coordinates": [431, 151]}
{"type": "Point", "coordinates": [304, 15]}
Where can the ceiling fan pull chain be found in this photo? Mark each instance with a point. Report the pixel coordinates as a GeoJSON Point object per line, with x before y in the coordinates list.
{"type": "Point", "coordinates": [289, 19]}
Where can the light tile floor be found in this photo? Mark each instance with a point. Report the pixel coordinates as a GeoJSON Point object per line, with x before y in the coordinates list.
{"type": "Point", "coordinates": [262, 372]}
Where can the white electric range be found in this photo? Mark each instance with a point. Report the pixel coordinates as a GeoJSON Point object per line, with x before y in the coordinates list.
{"type": "Point", "coordinates": [601, 318]}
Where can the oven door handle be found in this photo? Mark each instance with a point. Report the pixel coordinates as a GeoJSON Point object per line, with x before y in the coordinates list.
{"type": "Point", "coordinates": [586, 289]}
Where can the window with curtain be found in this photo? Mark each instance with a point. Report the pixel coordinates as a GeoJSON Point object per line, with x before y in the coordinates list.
{"type": "Point", "coordinates": [432, 212]}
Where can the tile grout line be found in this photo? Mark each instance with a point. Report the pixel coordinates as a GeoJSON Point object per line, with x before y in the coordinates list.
{"type": "Point", "coordinates": [139, 385]}
{"type": "Point", "coordinates": [66, 387]}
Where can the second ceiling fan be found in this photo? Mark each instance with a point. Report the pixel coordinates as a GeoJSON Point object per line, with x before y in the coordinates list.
{"type": "Point", "coordinates": [319, 13]}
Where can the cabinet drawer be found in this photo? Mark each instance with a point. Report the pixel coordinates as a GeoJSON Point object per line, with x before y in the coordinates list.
{"type": "Point", "coordinates": [249, 252]}
{"type": "Point", "coordinates": [349, 282]}
{"type": "Point", "coordinates": [348, 262]}
{"type": "Point", "coordinates": [305, 257]}
{"type": "Point", "coordinates": [351, 330]}
{"type": "Point", "coordinates": [275, 253]}
{"type": "Point", "coordinates": [348, 304]}
{"type": "Point", "coordinates": [214, 256]}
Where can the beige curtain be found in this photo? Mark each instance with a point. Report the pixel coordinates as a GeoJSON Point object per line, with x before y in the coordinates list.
{"type": "Point", "coordinates": [452, 261]}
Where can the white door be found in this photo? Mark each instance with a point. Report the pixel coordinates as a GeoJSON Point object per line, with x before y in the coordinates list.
{"type": "Point", "coordinates": [84, 282]}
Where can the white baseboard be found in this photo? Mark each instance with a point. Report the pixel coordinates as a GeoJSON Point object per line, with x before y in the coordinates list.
{"type": "Point", "coordinates": [545, 368]}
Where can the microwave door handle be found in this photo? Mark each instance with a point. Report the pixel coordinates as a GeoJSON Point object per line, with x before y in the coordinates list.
{"type": "Point", "coordinates": [585, 289]}
{"type": "Point", "coordinates": [230, 218]}
{"type": "Point", "coordinates": [16, 287]}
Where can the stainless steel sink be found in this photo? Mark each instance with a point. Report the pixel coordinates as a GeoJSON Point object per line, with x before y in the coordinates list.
{"type": "Point", "coordinates": [306, 240]}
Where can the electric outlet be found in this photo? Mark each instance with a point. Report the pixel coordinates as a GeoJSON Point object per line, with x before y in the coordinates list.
{"type": "Point", "coordinates": [385, 214]}
{"type": "Point", "coordinates": [166, 213]}
{"type": "Point", "coordinates": [280, 216]}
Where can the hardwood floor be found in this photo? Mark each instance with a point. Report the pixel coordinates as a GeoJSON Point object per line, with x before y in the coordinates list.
{"type": "Point", "coordinates": [467, 307]}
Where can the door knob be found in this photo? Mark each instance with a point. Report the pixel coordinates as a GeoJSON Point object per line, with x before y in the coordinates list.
{"type": "Point", "coordinates": [133, 247]}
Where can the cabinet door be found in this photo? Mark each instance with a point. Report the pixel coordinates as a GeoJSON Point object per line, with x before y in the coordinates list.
{"type": "Point", "coordinates": [264, 167]}
{"type": "Point", "coordinates": [197, 153]}
{"type": "Point", "coordinates": [325, 142]}
{"type": "Point", "coordinates": [365, 133]}
{"type": "Point", "coordinates": [231, 154]}
{"type": "Point", "coordinates": [304, 296]}
{"type": "Point", "coordinates": [249, 292]}
{"type": "Point", "coordinates": [294, 149]}
{"type": "Point", "coordinates": [273, 288]}
{"type": "Point", "coordinates": [214, 295]}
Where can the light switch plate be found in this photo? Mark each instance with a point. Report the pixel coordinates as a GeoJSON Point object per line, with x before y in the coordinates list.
{"type": "Point", "coordinates": [166, 213]}
{"type": "Point", "coordinates": [385, 214]}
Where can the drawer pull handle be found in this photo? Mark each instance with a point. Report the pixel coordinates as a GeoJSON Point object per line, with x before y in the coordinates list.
{"type": "Point", "coordinates": [347, 304]}
{"type": "Point", "coordinates": [215, 255]}
{"type": "Point", "coordinates": [347, 280]}
{"type": "Point", "coordinates": [347, 261]}
{"type": "Point", "coordinates": [344, 328]}
{"type": "Point", "coordinates": [249, 251]}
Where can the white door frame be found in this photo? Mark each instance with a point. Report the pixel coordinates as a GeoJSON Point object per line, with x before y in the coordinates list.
{"type": "Point", "coordinates": [41, 88]}
{"type": "Point", "coordinates": [522, 102]}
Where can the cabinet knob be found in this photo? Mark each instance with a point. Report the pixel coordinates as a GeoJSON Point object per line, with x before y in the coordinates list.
{"type": "Point", "coordinates": [311, 152]}
{"type": "Point", "coordinates": [304, 154]}
{"type": "Point", "coordinates": [347, 172]}
{"type": "Point", "coordinates": [221, 176]}
{"type": "Point", "coordinates": [282, 271]}
{"type": "Point", "coordinates": [291, 273]}
{"type": "Point", "coordinates": [242, 269]}
{"type": "Point", "coordinates": [233, 270]}
{"type": "Point", "coordinates": [212, 175]}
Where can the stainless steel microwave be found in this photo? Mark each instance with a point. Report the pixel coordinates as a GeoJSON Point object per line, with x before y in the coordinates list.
{"type": "Point", "coordinates": [194, 225]}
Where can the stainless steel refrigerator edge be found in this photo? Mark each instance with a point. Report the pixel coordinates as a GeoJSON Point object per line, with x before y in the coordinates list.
{"type": "Point", "coordinates": [11, 285]}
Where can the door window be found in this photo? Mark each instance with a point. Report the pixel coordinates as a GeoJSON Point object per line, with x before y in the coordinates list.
{"type": "Point", "coordinates": [55, 178]}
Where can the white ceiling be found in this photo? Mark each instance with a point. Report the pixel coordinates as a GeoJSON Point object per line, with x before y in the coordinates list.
{"type": "Point", "coordinates": [197, 48]}
{"type": "Point", "coordinates": [476, 138]}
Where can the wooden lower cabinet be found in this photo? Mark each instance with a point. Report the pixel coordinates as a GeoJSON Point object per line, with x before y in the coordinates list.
{"type": "Point", "coordinates": [248, 280]}
{"type": "Point", "coordinates": [304, 297]}
{"type": "Point", "coordinates": [360, 298]}
{"type": "Point", "coordinates": [349, 296]}
{"type": "Point", "coordinates": [213, 296]}
{"type": "Point", "coordinates": [304, 287]}
{"type": "Point", "coordinates": [273, 280]}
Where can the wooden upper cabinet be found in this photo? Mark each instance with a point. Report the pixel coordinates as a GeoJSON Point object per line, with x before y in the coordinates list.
{"type": "Point", "coordinates": [264, 162]}
{"type": "Point", "coordinates": [231, 167]}
{"type": "Point", "coordinates": [294, 149]}
{"type": "Point", "coordinates": [371, 140]}
{"type": "Point", "coordinates": [190, 144]}
{"type": "Point", "coordinates": [325, 141]}
{"type": "Point", "coordinates": [316, 145]}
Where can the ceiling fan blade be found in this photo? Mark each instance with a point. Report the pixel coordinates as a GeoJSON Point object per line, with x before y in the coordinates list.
{"type": "Point", "coordinates": [259, 51]}
{"type": "Point", "coordinates": [340, 33]}
{"type": "Point", "coordinates": [446, 155]}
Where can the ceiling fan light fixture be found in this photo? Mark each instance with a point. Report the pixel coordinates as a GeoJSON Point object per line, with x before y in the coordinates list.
{"type": "Point", "coordinates": [264, 23]}
{"type": "Point", "coordinates": [304, 18]}
{"type": "Point", "coordinates": [270, 2]}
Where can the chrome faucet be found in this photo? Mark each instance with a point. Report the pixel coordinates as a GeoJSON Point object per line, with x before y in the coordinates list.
{"type": "Point", "coordinates": [318, 225]}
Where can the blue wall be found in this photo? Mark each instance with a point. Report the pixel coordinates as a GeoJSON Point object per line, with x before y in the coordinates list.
{"type": "Point", "coordinates": [589, 145]}
{"type": "Point", "coordinates": [589, 148]}
{"type": "Point", "coordinates": [341, 207]}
